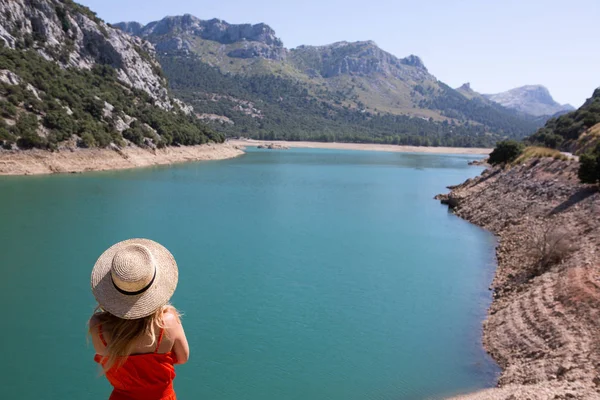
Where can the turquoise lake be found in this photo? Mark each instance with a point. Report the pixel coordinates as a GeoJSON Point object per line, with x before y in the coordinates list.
{"type": "Point", "coordinates": [304, 275]}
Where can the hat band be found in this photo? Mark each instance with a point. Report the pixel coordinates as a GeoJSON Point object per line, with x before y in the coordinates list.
{"type": "Point", "coordinates": [142, 290]}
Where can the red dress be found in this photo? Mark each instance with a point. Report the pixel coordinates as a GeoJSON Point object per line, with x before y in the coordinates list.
{"type": "Point", "coordinates": [143, 376]}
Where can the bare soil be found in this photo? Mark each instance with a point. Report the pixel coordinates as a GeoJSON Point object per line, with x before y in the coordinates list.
{"type": "Point", "coordinates": [366, 146]}
{"type": "Point", "coordinates": [74, 160]}
{"type": "Point", "coordinates": [543, 327]}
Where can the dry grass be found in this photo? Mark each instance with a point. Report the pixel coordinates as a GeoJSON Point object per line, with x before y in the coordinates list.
{"type": "Point", "coordinates": [589, 139]}
{"type": "Point", "coordinates": [549, 245]}
{"type": "Point", "coordinates": [539, 152]}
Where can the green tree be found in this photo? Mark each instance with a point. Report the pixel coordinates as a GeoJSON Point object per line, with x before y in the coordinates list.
{"type": "Point", "coordinates": [135, 135]}
{"type": "Point", "coordinates": [6, 138]}
{"type": "Point", "coordinates": [87, 141]}
{"type": "Point", "coordinates": [62, 123]}
{"type": "Point", "coordinates": [26, 129]}
{"type": "Point", "coordinates": [94, 107]}
{"type": "Point", "coordinates": [505, 152]}
{"type": "Point", "coordinates": [589, 166]}
{"type": "Point", "coordinates": [7, 110]}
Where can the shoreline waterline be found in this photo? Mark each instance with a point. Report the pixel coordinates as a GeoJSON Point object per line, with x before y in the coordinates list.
{"type": "Point", "coordinates": [42, 162]}
{"type": "Point", "coordinates": [366, 147]}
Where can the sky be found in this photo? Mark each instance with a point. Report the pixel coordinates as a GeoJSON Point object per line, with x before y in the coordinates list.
{"type": "Point", "coordinates": [496, 45]}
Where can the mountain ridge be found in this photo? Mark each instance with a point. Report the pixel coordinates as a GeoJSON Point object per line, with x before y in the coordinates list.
{"type": "Point", "coordinates": [531, 99]}
{"type": "Point", "coordinates": [534, 100]}
{"type": "Point", "coordinates": [344, 77]}
{"type": "Point", "coordinates": [265, 42]}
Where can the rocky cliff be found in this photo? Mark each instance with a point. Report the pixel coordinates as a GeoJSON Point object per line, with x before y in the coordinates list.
{"type": "Point", "coordinates": [532, 99]}
{"type": "Point", "coordinates": [69, 79]}
{"type": "Point", "coordinates": [467, 91]}
{"type": "Point", "coordinates": [179, 33]}
{"type": "Point", "coordinates": [71, 35]}
{"type": "Point", "coordinates": [361, 58]}
{"type": "Point", "coordinates": [543, 323]}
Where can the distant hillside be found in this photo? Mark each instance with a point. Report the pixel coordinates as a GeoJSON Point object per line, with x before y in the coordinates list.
{"type": "Point", "coordinates": [68, 77]}
{"type": "Point", "coordinates": [576, 132]}
{"type": "Point", "coordinates": [533, 100]}
{"type": "Point", "coordinates": [344, 91]}
{"type": "Point", "coordinates": [469, 93]}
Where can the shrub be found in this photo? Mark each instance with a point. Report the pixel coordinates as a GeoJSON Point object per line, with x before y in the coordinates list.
{"type": "Point", "coordinates": [118, 139]}
{"type": "Point", "coordinates": [589, 166]}
{"type": "Point", "coordinates": [94, 107]}
{"type": "Point", "coordinates": [28, 142]}
{"type": "Point", "coordinates": [7, 110]}
{"type": "Point", "coordinates": [15, 94]}
{"type": "Point", "coordinates": [26, 129]}
{"type": "Point", "coordinates": [505, 152]}
{"type": "Point", "coordinates": [548, 139]}
{"type": "Point", "coordinates": [60, 121]}
{"type": "Point", "coordinates": [6, 136]}
{"type": "Point", "coordinates": [87, 141]}
{"type": "Point", "coordinates": [549, 245]}
{"type": "Point", "coordinates": [95, 129]}
{"type": "Point", "coordinates": [27, 124]}
{"type": "Point", "coordinates": [64, 19]}
{"type": "Point", "coordinates": [135, 135]}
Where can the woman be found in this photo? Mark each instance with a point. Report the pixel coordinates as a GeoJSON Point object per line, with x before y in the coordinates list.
{"type": "Point", "coordinates": [137, 335]}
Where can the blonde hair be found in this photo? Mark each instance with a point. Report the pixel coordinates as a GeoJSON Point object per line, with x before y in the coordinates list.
{"type": "Point", "coordinates": [124, 334]}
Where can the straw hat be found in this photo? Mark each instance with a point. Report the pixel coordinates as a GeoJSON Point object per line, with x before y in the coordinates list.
{"type": "Point", "coordinates": [134, 278]}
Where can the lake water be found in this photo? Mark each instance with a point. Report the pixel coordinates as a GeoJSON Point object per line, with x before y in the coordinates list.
{"type": "Point", "coordinates": [304, 274]}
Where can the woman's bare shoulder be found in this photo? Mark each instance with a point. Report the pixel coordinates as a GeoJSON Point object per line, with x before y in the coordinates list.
{"type": "Point", "coordinates": [94, 320]}
{"type": "Point", "coordinates": [170, 317]}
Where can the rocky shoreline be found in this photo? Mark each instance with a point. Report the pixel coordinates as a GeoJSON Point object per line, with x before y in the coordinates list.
{"type": "Point", "coordinates": [362, 146]}
{"type": "Point", "coordinates": [75, 160]}
{"type": "Point", "coordinates": [543, 327]}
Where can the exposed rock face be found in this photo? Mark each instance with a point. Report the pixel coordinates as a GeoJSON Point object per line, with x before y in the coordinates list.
{"type": "Point", "coordinates": [467, 91]}
{"type": "Point", "coordinates": [133, 28]}
{"type": "Point", "coordinates": [170, 34]}
{"type": "Point", "coordinates": [257, 50]}
{"type": "Point", "coordinates": [74, 37]}
{"type": "Point", "coordinates": [543, 324]}
{"type": "Point", "coordinates": [246, 41]}
{"type": "Point", "coordinates": [533, 99]}
{"type": "Point", "coordinates": [466, 87]}
{"type": "Point", "coordinates": [360, 58]}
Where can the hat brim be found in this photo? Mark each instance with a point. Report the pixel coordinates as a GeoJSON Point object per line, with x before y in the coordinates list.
{"type": "Point", "coordinates": [141, 305]}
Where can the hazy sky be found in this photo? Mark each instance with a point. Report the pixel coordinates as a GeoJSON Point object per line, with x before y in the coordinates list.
{"type": "Point", "coordinates": [495, 45]}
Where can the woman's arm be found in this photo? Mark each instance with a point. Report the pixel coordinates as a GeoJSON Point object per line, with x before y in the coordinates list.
{"type": "Point", "coordinates": [93, 332]}
{"type": "Point", "coordinates": [175, 331]}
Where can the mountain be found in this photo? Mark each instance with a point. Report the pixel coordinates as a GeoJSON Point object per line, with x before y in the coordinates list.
{"type": "Point", "coordinates": [68, 77]}
{"type": "Point", "coordinates": [469, 93]}
{"type": "Point", "coordinates": [180, 34]}
{"type": "Point", "coordinates": [256, 50]}
{"type": "Point", "coordinates": [532, 99]}
{"type": "Point", "coordinates": [576, 132]}
{"type": "Point", "coordinates": [245, 82]}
